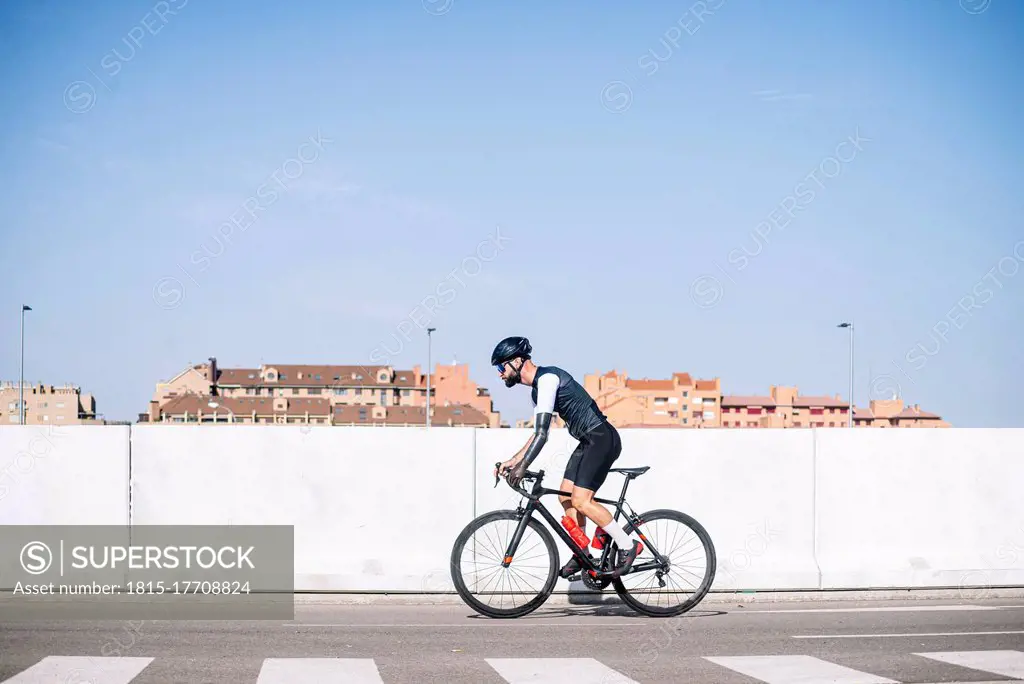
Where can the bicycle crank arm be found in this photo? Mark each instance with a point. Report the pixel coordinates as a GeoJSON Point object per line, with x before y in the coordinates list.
{"type": "Point", "coordinates": [642, 567]}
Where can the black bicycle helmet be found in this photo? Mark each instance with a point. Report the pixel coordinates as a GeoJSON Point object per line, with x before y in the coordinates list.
{"type": "Point", "coordinates": [510, 348]}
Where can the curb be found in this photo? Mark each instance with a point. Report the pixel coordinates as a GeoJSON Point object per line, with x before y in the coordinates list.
{"type": "Point", "coordinates": [609, 597]}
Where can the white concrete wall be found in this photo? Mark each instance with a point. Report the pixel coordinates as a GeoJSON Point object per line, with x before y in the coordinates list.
{"type": "Point", "coordinates": [920, 507]}
{"type": "Point", "coordinates": [379, 509]}
{"type": "Point", "coordinates": [373, 508]}
{"type": "Point", "coordinates": [64, 475]}
{"type": "Point", "coordinates": [751, 489]}
{"type": "Point", "coordinates": [759, 518]}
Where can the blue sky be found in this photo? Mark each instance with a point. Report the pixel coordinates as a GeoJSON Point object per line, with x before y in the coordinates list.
{"type": "Point", "coordinates": [635, 161]}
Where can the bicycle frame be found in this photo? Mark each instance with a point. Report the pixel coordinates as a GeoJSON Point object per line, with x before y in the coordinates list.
{"type": "Point", "coordinates": [533, 504]}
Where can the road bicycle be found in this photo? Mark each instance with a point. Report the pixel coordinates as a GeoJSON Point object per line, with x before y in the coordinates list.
{"type": "Point", "coordinates": [511, 555]}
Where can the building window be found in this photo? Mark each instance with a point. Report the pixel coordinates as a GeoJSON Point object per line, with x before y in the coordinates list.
{"type": "Point", "coordinates": [754, 411]}
{"type": "Point", "coordinates": [313, 390]}
{"type": "Point", "coordinates": [686, 421]}
{"type": "Point", "coordinates": [816, 411]}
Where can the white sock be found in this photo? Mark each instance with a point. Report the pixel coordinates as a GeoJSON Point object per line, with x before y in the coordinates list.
{"type": "Point", "coordinates": [620, 538]}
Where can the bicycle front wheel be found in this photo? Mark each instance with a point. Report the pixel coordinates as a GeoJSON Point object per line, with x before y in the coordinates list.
{"type": "Point", "coordinates": [494, 590]}
{"type": "Point", "coordinates": [691, 563]}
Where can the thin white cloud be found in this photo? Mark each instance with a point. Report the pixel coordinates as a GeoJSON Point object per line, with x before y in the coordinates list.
{"type": "Point", "coordinates": [50, 144]}
{"type": "Point", "coordinates": [778, 95]}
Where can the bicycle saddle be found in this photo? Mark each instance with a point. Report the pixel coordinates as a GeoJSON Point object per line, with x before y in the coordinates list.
{"type": "Point", "coordinates": [633, 472]}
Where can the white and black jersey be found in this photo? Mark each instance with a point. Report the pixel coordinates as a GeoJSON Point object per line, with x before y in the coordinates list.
{"type": "Point", "coordinates": [555, 391]}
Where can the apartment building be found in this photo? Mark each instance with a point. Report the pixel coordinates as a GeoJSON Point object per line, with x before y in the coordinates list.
{"type": "Point", "coordinates": [785, 407]}
{"type": "Point", "coordinates": [47, 404]}
{"type": "Point", "coordinates": [325, 392]}
{"type": "Point", "coordinates": [271, 410]}
{"type": "Point", "coordinates": [679, 401]}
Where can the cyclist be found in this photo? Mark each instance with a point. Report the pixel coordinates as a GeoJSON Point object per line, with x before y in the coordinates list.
{"type": "Point", "coordinates": [555, 391]}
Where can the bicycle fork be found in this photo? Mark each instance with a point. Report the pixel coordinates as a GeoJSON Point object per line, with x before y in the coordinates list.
{"type": "Point", "coordinates": [517, 536]}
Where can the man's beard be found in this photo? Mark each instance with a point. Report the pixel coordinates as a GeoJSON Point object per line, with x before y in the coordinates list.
{"type": "Point", "coordinates": [512, 381]}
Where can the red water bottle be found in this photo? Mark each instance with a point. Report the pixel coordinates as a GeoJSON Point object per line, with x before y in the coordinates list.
{"type": "Point", "coordinates": [600, 538]}
{"type": "Point", "coordinates": [575, 532]}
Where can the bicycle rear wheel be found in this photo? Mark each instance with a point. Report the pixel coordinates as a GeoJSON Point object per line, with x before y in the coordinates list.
{"type": "Point", "coordinates": [496, 591]}
{"type": "Point", "coordinates": [687, 547]}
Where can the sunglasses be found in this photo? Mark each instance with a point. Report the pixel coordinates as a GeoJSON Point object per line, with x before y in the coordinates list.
{"type": "Point", "coordinates": [500, 367]}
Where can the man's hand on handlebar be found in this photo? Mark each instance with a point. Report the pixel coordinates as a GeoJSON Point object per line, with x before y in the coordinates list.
{"type": "Point", "coordinates": [513, 470]}
{"type": "Point", "coordinates": [517, 474]}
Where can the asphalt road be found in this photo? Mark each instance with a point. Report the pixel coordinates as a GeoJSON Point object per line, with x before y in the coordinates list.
{"type": "Point", "coordinates": [843, 642]}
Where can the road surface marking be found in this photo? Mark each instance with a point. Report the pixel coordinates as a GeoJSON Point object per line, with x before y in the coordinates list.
{"type": "Point", "coordinates": [908, 634]}
{"type": "Point", "coordinates": [1005, 663]}
{"type": "Point", "coordinates": [81, 670]}
{"type": "Point", "coordinates": [796, 669]}
{"type": "Point", "coordinates": [880, 609]}
{"type": "Point", "coordinates": [532, 624]}
{"type": "Point", "coordinates": [320, 670]}
{"type": "Point", "coordinates": [556, 671]}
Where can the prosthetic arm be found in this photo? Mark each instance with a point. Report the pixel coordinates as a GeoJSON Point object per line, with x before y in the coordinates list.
{"type": "Point", "coordinates": [541, 424]}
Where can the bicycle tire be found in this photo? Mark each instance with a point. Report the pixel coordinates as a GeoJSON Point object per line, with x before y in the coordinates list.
{"type": "Point", "coordinates": [515, 611]}
{"type": "Point", "coordinates": [709, 577]}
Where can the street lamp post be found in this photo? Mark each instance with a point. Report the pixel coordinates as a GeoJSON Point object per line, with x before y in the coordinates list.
{"type": "Point", "coordinates": [429, 361]}
{"type": "Point", "coordinates": [850, 326]}
{"type": "Point", "coordinates": [214, 405]}
{"type": "Point", "coordinates": [21, 382]}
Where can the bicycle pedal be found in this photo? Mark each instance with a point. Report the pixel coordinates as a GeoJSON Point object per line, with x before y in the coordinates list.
{"type": "Point", "coordinates": [578, 577]}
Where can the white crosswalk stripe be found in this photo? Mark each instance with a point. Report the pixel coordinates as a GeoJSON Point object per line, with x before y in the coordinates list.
{"type": "Point", "coordinates": [771, 669]}
{"type": "Point", "coordinates": [319, 671]}
{"type": "Point", "coordinates": [796, 669]}
{"type": "Point", "coordinates": [556, 671]}
{"type": "Point", "coordinates": [1005, 663]}
{"type": "Point", "coordinates": [81, 670]}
